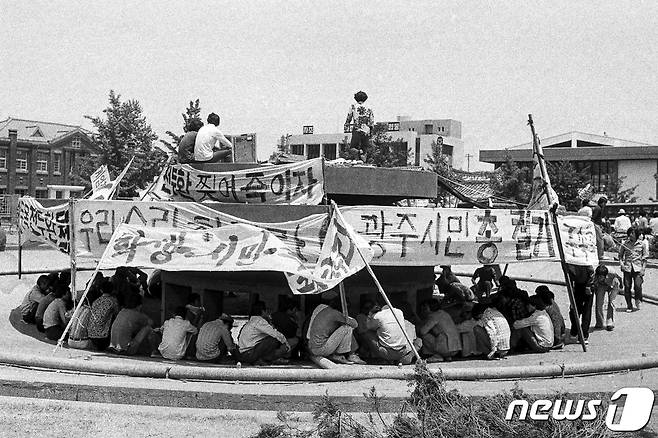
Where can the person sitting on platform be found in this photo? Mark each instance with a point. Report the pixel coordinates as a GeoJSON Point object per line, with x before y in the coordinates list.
{"type": "Point", "coordinates": [187, 141]}
{"type": "Point", "coordinates": [441, 340]}
{"type": "Point", "coordinates": [55, 317]}
{"type": "Point", "coordinates": [194, 311]}
{"type": "Point", "coordinates": [446, 278]}
{"type": "Point", "coordinates": [492, 332]}
{"type": "Point", "coordinates": [486, 278]}
{"type": "Point", "coordinates": [535, 331]}
{"type": "Point", "coordinates": [553, 310]}
{"type": "Point", "coordinates": [362, 333]}
{"type": "Point", "coordinates": [33, 298]}
{"type": "Point", "coordinates": [103, 312]}
{"type": "Point", "coordinates": [285, 321]}
{"type": "Point", "coordinates": [215, 340]}
{"type": "Point", "coordinates": [176, 335]}
{"type": "Point", "coordinates": [391, 344]}
{"type": "Point", "coordinates": [43, 305]}
{"type": "Point", "coordinates": [331, 334]}
{"type": "Point", "coordinates": [260, 343]}
{"type": "Point", "coordinates": [132, 331]}
{"type": "Point", "coordinates": [466, 327]}
{"type": "Point", "coordinates": [205, 145]}
{"type": "Point", "coordinates": [79, 332]}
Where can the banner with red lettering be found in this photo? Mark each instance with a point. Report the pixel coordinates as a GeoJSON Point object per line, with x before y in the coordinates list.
{"type": "Point", "coordinates": [298, 183]}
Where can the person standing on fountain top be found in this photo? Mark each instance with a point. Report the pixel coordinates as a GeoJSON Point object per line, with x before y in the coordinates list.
{"type": "Point", "coordinates": [362, 120]}
{"type": "Point", "coordinates": [206, 149]}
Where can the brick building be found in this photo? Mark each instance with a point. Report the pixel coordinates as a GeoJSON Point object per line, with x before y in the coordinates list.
{"type": "Point", "coordinates": [36, 157]}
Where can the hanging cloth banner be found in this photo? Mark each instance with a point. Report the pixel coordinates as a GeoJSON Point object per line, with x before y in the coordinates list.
{"type": "Point", "coordinates": [100, 178]}
{"type": "Point", "coordinates": [237, 247]}
{"type": "Point", "coordinates": [399, 236]}
{"type": "Point", "coordinates": [299, 183]}
{"type": "Point", "coordinates": [579, 240]}
{"type": "Point", "coordinates": [107, 190]}
{"type": "Point", "coordinates": [49, 225]}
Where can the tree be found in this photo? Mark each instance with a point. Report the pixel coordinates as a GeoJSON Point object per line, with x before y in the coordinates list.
{"type": "Point", "coordinates": [383, 152]}
{"type": "Point", "coordinates": [616, 194]}
{"type": "Point", "coordinates": [192, 112]}
{"type": "Point", "coordinates": [123, 133]}
{"type": "Point", "coordinates": [512, 182]}
{"type": "Point", "coordinates": [566, 180]}
{"type": "Point", "coordinates": [440, 164]}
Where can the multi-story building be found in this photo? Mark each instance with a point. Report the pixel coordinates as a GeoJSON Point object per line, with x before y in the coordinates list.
{"type": "Point", "coordinates": [606, 159]}
{"type": "Point", "coordinates": [416, 136]}
{"type": "Point", "coordinates": [36, 158]}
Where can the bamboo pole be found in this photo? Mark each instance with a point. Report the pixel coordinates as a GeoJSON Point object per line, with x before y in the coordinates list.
{"type": "Point", "coordinates": [556, 228]}
{"type": "Point", "coordinates": [381, 291]}
{"type": "Point", "coordinates": [20, 252]}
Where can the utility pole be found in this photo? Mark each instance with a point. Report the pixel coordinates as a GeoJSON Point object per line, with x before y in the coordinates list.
{"type": "Point", "coordinates": [468, 162]}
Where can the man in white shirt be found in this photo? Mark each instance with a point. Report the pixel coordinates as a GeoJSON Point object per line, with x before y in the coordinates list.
{"type": "Point", "coordinates": [205, 146]}
{"type": "Point", "coordinates": [176, 336]}
{"type": "Point", "coordinates": [259, 342]}
{"type": "Point", "coordinates": [391, 345]}
{"type": "Point", "coordinates": [622, 222]}
{"type": "Point", "coordinates": [535, 331]}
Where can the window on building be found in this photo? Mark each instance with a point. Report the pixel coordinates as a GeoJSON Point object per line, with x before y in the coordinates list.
{"type": "Point", "coordinates": [330, 151]}
{"type": "Point", "coordinates": [429, 129]}
{"type": "Point", "coordinates": [3, 158]}
{"type": "Point", "coordinates": [57, 163]}
{"type": "Point", "coordinates": [75, 142]}
{"type": "Point", "coordinates": [3, 191]}
{"type": "Point", "coordinates": [21, 161]}
{"type": "Point", "coordinates": [42, 161]}
{"type": "Point", "coordinates": [312, 151]}
{"type": "Point", "coordinates": [602, 173]}
{"type": "Point", "coordinates": [41, 193]}
{"type": "Point", "coordinates": [297, 149]}
{"type": "Point", "coordinates": [447, 150]}
{"type": "Point", "coordinates": [59, 194]}
{"type": "Point", "coordinates": [20, 192]}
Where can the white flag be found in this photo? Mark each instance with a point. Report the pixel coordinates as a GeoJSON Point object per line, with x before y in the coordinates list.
{"type": "Point", "coordinates": [107, 191]}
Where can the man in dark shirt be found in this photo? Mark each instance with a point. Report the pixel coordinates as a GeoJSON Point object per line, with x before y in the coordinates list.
{"type": "Point", "coordinates": [285, 321]}
{"type": "Point", "coordinates": [487, 278]}
{"type": "Point", "coordinates": [186, 144]}
{"type": "Point", "coordinates": [598, 214]}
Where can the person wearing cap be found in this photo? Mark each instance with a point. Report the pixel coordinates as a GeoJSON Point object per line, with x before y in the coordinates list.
{"type": "Point", "coordinates": [331, 334]}
{"type": "Point", "coordinates": [622, 222]}
{"type": "Point", "coordinates": [598, 215]}
{"type": "Point", "coordinates": [362, 120]}
{"type": "Point", "coordinates": [207, 141]}
{"type": "Point", "coordinates": [215, 340]}
{"type": "Point", "coordinates": [605, 284]}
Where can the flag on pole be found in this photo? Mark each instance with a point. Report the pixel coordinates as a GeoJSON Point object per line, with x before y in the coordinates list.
{"type": "Point", "coordinates": [106, 191]}
{"type": "Point", "coordinates": [543, 195]}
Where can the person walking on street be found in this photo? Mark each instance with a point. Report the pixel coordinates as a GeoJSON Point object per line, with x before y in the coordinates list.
{"type": "Point", "coordinates": [633, 260]}
{"type": "Point", "coordinates": [605, 284]}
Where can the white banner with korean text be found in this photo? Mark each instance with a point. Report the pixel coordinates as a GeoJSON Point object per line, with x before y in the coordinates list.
{"type": "Point", "coordinates": [50, 225]}
{"type": "Point", "coordinates": [578, 240]}
{"type": "Point", "coordinates": [299, 183]}
{"type": "Point", "coordinates": [412, 236]}
{"type": "Point", "coordinates": [237, 247]}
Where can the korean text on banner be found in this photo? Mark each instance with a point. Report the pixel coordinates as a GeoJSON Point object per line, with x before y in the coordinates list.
{"type": "Point", "coordinates": [299, 183]}
{"type": "Point", "coordinates": [100, 178]}
{"type": "Point", "coordinates": [108, 190]}
{"type": "Point", "coordinates": [399, 236]}
{"type": "Point", "coordinates": [578, 240]}
{"type": "Point", "coordinates": [48, 225]}
{"type": "Point", "coordinates": [237, 247]}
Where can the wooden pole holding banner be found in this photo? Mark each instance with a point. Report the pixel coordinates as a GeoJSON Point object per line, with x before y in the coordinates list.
{"type": "Point", "coordinates": [343, 300]}
{"type": "Point", "coordinates": [381, 291]}
{"type": "Point", "coordinates": [74, 270]}
{"type": "Point", "coordinates": [556, 228]}
{"type": "Point", "coordinates": [20, 252]}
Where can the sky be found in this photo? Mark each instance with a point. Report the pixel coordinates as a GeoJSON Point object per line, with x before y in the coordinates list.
{"type": "Point", "coordinates": [271, 67]}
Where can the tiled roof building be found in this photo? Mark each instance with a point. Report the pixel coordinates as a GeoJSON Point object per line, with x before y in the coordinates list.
{"type": "Point", "coordinates": [36, 157]}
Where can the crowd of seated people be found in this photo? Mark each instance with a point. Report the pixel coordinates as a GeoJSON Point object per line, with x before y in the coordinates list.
{"type": "Point", "coordinates": [458, 322]}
